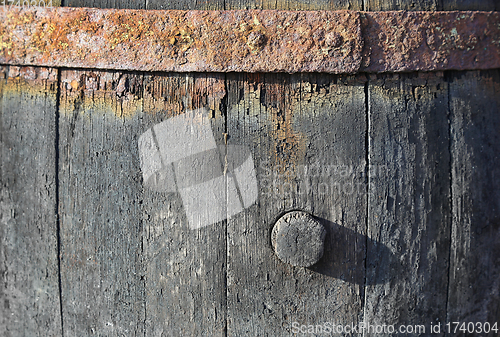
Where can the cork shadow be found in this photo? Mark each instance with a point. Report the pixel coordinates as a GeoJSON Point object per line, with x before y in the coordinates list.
{"type": "Point", "coordinates": [345, 253]}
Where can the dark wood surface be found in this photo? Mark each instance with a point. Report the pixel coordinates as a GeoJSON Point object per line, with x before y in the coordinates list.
{"type": "Point", "coordinates": [295, 4]}
{"type": "Point", "coordinates": [132, 4]}
{"type": "Point", "coordinates": [431, 5]}
{"type": "Point", "coordinates": [414, 241]}
{"type": "Point", "coordinates": [100, 204]}
{"type": "Point", "coordinates": [475, 144]}
{"type": "Point", "coordinates": [185, 270]}
{"type": "Point", "coordinates": [409, 199]}
{"type": "Point", "coordinates": [186, 4]}
{"type": "Point", "coordinates": [307, 135]}
{"type": "Point", "coordinates": [29, 281]}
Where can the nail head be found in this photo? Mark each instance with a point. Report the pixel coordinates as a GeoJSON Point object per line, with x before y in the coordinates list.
{"type": "Point", "coordinates": [298, 239]}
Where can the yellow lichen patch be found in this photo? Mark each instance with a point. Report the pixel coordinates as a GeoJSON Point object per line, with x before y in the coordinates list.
{"type": "Point", "coordinates": [253, 34]}
{"type": "Point", "coordinates": [128, 28]}
{"type": "Point", "coordinates": [182, 38]}
{"type": "Point", "coordinates": [48, 37]}
{"type": "Point", "coordinates": [51, 34]}
{"type": "Point", "coordinates": [30, 81]}
{"type": "Point", "coordinates": [7, 27]}
{"type": "Point", "coordinates": [25, 88]}
{"type": "Point", "coordinates": [100, 103]}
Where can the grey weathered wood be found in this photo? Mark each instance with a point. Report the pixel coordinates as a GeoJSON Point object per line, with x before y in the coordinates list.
{"type": "Point", "coordinates": [295, 4]}
{"type": "Point", "coordinates": [409, 200]}
{"type": "Point", "coordinates": [185, 268]}
{"type": "Point", "coordinates": [130, 263]}
{"type": "Point", "coordinates": [475, 149]}
{"type": "Point", "coordinates": [470, 5]}
{"type": "Point", "coordinates": [430, 5]}
{"type": "Point", "coordinates": [101, 204]}
{"type": "Point", "coordinates": [410, 5]}
{"type": "Point", "coordinates": [29, 287]}
{"type": "Point", "coordinates": [132, 4]}
{"type": "Point", "coordinates": [179, 288]}
{"type": "Point", "coordinates": [185, 4]}
{"type": "Point", "coordinates": [290, 122]}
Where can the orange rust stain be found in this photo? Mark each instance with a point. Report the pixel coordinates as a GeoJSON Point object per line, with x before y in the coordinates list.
{"type": "Point", "coordinates": [165, 94]}
{"type": "Point", "coordinates": [174, 40]}
{"type": "Point", "coordinates": [273, 105]}
{"type": "Point", "coordinates": [51, 35]}
{"type": "Point", "coordinates": [176, 93]}
{"type": "Point", "coordinates": [7, 44]}
{"type": "Point", "coordinates": [104, 92]}
{"type": "Point", "coordinates": [126, 94]}
{"type": "Point", "coordinates": [74, 84]}
{"type": "Point", "coordinates": [289, 145]}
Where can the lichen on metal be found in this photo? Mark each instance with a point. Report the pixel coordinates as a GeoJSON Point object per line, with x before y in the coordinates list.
{"type": "Point", "coordinates": [249, 40]}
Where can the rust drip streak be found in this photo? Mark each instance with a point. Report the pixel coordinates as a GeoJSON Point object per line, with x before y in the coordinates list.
{"type": "Point", "coordinates": [249, 40]}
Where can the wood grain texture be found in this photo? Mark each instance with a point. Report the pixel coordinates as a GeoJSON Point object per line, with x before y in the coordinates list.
{"type": "Point", "coordinates": [100, 204]}
{"type": "Point", "coordinates": [186, 4]}
{"type": "Point", "coordinates": [185, 269]}
{"type": "Point", "coordinates": [130, 264]}
{"type": "Point", "coordinates": [295, 4]}
{"type": "Point", "coordinates": [131, 4]}
{"type": "Point", "coordinates": [307, 136]}
{"type": "Point", "coordinates": [430, 5]}
{"type": "Point", "coordinates": [29, 287]}
{"type": "Point", "coordinates": [475, 256]}
{"type": "Point", "coordinates": [409, 204]}
{"type": "Point", "coordinates": [409, 5]}
{"type": "Point", "coordinates": [470, 5]}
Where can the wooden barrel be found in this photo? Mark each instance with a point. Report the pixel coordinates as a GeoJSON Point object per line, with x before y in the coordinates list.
{"type": "Point", "coordinates": [401, 170]}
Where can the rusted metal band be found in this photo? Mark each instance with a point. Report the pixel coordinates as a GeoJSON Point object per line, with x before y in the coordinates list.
{"type": "Point", "coordinates": [412, 41]}
{"type": "Point", "coordinates": [250, 40]}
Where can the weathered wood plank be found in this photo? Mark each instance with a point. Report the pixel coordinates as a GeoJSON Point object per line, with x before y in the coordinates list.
{"type": "Point", "coordinates": [100, 204]}
{"type": "Point", "coordinates": [295, 4]}
{"type": "Point", "coordinates": [186, 4]}
{"type": "Point", "coordinates": [470, 5]}
{"type": "Point", "coordinates": [185, 268]}
{"type": "Point", "coordinates": [29, 286]}
{"type": "Point", "coordinates": [132, 4]}
{"type": "Point", "coordinates": [307, 136]}
{"type": "Point", "coordinates": [431, 5]}
{"type": "Point", "coordinates": [409, 200]}
{"type": "Point", "coordinates": [409, 5]}
{"type": "Point", "coordinates": [474, 290]}
{"type": "Point", "coordinates": [184, 273]}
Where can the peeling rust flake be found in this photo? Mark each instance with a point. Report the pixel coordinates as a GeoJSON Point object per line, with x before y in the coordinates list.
{"type": "Point", "coordinates": [249, 40]}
